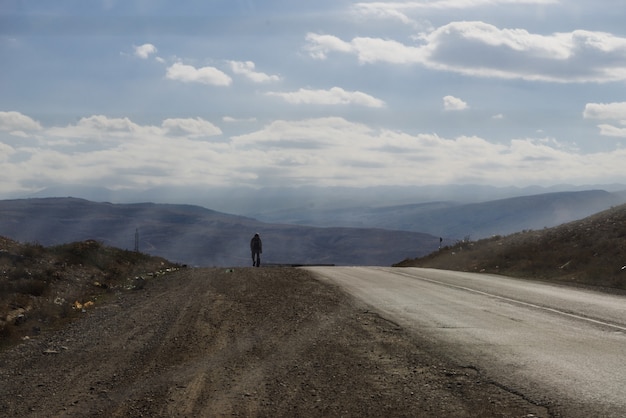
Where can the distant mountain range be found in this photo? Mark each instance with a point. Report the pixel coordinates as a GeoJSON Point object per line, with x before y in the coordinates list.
{"type": "Point", "coordinates": [455, 220]}
{"type": "Point", "coordinates": [313, 234]}
{"type": "Point", "coordinates": [255, 202]}
{"type": "Point", "coordinates": [201, 237]}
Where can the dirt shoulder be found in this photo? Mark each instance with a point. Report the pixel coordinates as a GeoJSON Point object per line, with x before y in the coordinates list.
{"type": "Point", "coordinates": [241, 342]}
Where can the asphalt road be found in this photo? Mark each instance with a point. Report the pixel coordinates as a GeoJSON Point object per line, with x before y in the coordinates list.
{"type": "Point", "coordinates": [552, 344]}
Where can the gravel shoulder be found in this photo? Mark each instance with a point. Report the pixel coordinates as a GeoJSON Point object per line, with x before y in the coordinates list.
{"type": "Point", "coordinates": [242, 342]}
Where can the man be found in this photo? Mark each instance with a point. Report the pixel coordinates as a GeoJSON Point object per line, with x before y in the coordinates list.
{"type": "Point", "coordinates": [256, 246]}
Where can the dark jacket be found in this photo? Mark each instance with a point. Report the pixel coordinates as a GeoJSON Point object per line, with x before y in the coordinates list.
{"type": "Point", "coordinates": [256, 244]}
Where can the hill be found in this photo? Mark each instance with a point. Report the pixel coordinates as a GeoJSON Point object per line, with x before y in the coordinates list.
{"type": "Point", "coordinates": [590, 251]}
{"type": "Point", "coordinates": [198, 236]}
{"type": "Point", "coordinates": [45, 287]}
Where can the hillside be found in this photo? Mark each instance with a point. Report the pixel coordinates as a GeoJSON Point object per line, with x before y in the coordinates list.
{"type": "Point", "coordinates": [198, 236]}
{"type": "Point", "coordinates": [43, 288]}
{"type": "Point", "coordinates": [590, 251]}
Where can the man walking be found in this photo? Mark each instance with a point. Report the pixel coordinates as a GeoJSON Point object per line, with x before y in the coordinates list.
{"type": "Point", "coordinates": [256, 246]}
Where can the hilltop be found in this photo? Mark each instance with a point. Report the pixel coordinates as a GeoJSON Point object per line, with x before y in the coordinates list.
{"type": "Point", "coordinates": [590, 251]}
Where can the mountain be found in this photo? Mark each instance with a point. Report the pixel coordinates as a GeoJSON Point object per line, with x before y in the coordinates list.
{"type": "Point", "coordinates": [455, 221]}
{"type": "Point", "coordinates": [258, 202]}
{"type": "Point", "coordinates": [309, 233]}
{"type": "Point", "coordinates": [202, 237]}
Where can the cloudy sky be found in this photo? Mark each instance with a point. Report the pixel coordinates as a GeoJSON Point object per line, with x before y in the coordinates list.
{"type": "Point", "coordinates": [131, 94]}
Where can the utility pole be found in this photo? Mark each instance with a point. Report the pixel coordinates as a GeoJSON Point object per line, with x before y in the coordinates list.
{"type": "Point", "coordinates": [136, 240]}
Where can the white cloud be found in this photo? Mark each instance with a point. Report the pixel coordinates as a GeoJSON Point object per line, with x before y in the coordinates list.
{"type": "Point", "coordinates": [247, 69]}
{"type": "Point", "coordinates": [383, 9]}
{"type": "Point", "coordinates": [102, 129]}
{"type": "Point", "coordinates": [368, 50]}
{"type": "Point", "coordinates": [608, 111]}
{"type": "Point", "coordinates": [401, 11]}
{"type": "Point", "coordinates": [339, 152]}
{"type": "Point", "coordinates": [484, 50]}
{"type": "Point", "coordinates": [316, 131]}
{"type": "Point", "coordinates": [95, 128]}
{"type": "Point", "coordinates": [17, 122]}
{"type": "Point", "coordinates": [605, 111]}
{"type": "Point", "coordinates": [320, 151]}
{"type": "Point", "coordinates": [610, 130]}
{"type": "Point", "coordinates": [334, 96]}
{"type": "Point", "coordinates": [319, 46]}
{"type": "Point", "coordinates": [192, 128]}
{"type": "Point", "coordinates": [203, 75]}
{"type": "Point", "coordinates": [5, 152]}
{"type": "Point", "coordinates": [231, 119]}
{"type": "Point", "coordinates": [453, 103]}
{"type": "Point", "coordinates": [144, 51]}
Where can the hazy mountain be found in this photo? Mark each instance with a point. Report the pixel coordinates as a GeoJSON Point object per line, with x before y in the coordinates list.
{"type": "Point", "coordinates": [454, 220]}
{"type": "Point", "coordinates": [258, 202]}
{"type": "Point", "coordinates": [198, 236]}
{"type": "Point", "coordinates": [308, 231]}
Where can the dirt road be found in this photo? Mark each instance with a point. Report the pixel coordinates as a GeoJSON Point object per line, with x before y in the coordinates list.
{"type": "Point", "coordinates": [242, 342]}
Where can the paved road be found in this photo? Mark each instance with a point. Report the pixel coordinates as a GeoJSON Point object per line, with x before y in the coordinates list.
{"type": "Point", "coordinates": [552, 344]}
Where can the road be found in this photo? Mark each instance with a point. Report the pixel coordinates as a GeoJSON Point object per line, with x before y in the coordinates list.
{"type": "Point", "coordinates": [551, 344]}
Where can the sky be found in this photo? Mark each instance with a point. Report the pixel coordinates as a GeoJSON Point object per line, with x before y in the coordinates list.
{"type": "Point", "coordinates": [138, 94]}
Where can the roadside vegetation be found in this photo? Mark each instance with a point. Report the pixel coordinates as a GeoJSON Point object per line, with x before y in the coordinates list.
{"type": "Point", "coordinates": [43, 288]}
{"type": "Point", "coordinates": [590, 251]}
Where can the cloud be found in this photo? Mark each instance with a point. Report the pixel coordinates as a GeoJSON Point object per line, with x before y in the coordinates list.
{"type": "Point", "coordinates": [318, 131]}
{"type": "Point", "coordinates": [318, 46]}
{"type": "Point", "coordinates": [385, 9]}
{"type": "Point", "coordinates": [231, 119]}
{"type": "Point", "coordinates": [246, 68]}
{"type": "Point", "coordinates": [605, 111]}
{"type": "Point", "coordinates": [614, 131]}
{"type": "Point", "coordinates": [121, 153]}
{"type": "Point", "coordinates": [608, 111]}
{"type": "Point", "coordinates": [335, 151]}
{"type": "Point", "coordinates": [100, 128]}
{"type": "Point", "coordinates": [5, 152]}
{"type": "Point", "coordinates": [17, 123]}
{"type": "Point", "coordinates": [203, 75]}
{"type": "Point", "coordinates": [368, 50]}
{"type": "Point", "coordinates": [95, 128]}
{"type": "Point", "coordinates": [401, 11]}
{"type": "Point", "coordinates": [334, 96]}
{"type": "Point", "coordinates": [144, 51]}
{"type": "Point", "coordinates": [192, 128]}
{"type": "Point", "coordinates": [480, 49]}
{"type": "Point", "coordinates": [453, 103]}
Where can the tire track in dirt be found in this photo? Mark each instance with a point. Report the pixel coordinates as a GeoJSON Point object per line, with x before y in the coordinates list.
{"type": "Point", "coordinates": [243, 342]}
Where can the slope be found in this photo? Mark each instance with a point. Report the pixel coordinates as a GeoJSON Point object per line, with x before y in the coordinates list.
{"type": "Point", "coordinates": [590, 251]}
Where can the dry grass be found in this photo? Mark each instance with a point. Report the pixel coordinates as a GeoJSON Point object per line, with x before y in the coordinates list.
{"type": "Point", "coordinates": [591, 251]}
{"type": "Point", "coordinates": [44, 288]}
